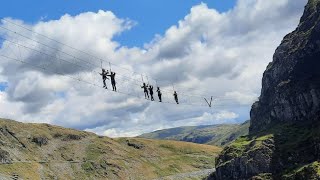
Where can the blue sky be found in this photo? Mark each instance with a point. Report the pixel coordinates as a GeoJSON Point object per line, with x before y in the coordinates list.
{"type": "Point", "coordinates": [152, 17]}
{"type": "Point", "coordinates": [3, 85]}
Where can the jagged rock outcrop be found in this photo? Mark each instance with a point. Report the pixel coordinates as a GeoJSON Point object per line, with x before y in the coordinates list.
{"type": "Point", "coordinates": [285, 122]}
{"type": "Point", "coordinates": [71, 137]}
{"type": "Point", "coordinates": [40, 141]}
{"type": "Point", "coordinates": [4, 157]}
{"type": "Point", "coordinates": [233, 166]}
{"type": "Point", "coordinates": [134, 144]}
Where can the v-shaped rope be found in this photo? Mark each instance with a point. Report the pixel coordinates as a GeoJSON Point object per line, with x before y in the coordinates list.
{"type": "Point", "coordinates": [209, 104]}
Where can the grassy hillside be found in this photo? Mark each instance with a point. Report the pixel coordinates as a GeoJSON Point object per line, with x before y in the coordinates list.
{"type": "Point", "coordinates": [38, 151]}
{"type": "Point", "coordinates": [219, 135]}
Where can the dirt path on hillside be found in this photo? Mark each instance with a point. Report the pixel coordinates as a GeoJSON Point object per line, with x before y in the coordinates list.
{"type": "Point", "coordinates": [5, 177]}
{"type": "Point", "coordinates": [189, 175]}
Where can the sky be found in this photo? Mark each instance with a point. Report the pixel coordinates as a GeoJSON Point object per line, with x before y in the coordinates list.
{"type": "Point", "coordinates": [198, 48]}
{"type": "Point", "coordinates": [149, 15]}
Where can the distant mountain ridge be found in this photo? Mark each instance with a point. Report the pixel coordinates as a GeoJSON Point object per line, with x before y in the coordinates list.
{"type": "Point", "coordinates": [219, 135]}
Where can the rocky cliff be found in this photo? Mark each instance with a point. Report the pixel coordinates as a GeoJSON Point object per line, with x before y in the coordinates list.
{"type": "Point", "coordinates": [291, 83]}
{"type": "Point", "coordinates": [284, 138]}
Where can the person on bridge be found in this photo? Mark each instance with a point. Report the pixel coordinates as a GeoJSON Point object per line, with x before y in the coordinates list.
{"type": "Point", "coordinates": [176, 97]}
{"type": "Point", "coordinates": [151, 92]}
{"type": "Point", "coordinates": [159, 94]}
{"type": "Point", "coordinates": [113, 81]}
{"type": "Point", "coordinates": [104, 75]}
{"type": "Point", "coordinates": [145, 89]}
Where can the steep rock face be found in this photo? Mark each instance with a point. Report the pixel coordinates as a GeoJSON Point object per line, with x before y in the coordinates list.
{"type": "Point", "coordinates": [286, 119]}
{"type": "Point", "coordinates": [291, 83]}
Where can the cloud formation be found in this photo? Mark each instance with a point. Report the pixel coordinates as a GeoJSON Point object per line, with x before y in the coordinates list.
{"type": "Point", "coordinates": [207, 52]}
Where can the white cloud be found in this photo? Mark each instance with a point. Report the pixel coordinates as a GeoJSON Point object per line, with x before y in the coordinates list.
{"type": "Point", "coordinates": [207, 52]}
{"type": "Point", "coordinates": [238, 97]}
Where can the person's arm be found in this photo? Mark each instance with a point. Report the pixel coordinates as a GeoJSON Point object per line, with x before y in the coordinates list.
{"type": "Point", "coordinates": [106, 74]}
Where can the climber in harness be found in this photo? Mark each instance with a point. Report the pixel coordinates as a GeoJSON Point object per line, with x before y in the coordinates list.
{"type": "Point", "coordinates": [159, 94]}
{"type": "Point", "coordinates": [151, 92]}
{"type": "Point", "coordinates": [104, 75]}
{"type": "Point", "coordinates": [113, 81]}
{"type": "Point", "coordinates": [145, 89]}
{"type": "Point", "coordinates": [176, 97]}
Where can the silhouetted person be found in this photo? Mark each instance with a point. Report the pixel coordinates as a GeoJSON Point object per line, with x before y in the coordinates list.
{"type": "Point", "coordinates": [151, 92]}
{"type": "Point", "coordinates": [113, 81]}
{"type": "Point", "coordinates": [176, 97]}
{"type": "Point", "coordinates": [145, 89]}
{"type": "Point", "coordinates": [104, 75]}
{"type": "Point", "coordinates": [159, 94]}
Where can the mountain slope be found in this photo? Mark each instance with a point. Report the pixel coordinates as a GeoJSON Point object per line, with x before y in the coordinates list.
{"type": "Point", "coordinates": [219, 135]}
{"type": "Point", "coordinates": [38, 151]}
{"type": "Point", "coordinates": [284, 137]}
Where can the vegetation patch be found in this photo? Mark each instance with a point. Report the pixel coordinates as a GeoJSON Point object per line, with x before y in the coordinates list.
{"type": "Point", "coordinates": [242, 142]}
{"type": "Point", "coordinates": [94, 151]}
{"type": "Point", "coordinates": [88, 166]}
{"type": "Point", "coordinates": [263, 176]}
{"type": "Point", "coordinates": [309, 171]}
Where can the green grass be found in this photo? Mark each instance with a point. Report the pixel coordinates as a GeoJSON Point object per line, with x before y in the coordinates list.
{"type": "Point", "coordinates": [241, 142]}
{"type": "Point", "coordinates": [178, 149]}
{"type": "Point", "coordinates": [88, 167]}
{"type": "Point", "coordinates": [165, 171]}
{"type": "Point", "coordinates": [242, 146]}
{"type": "Point", "coordinates": [93, 151]}
{"type": "Point", "coordinates": [308, 171]}
{"type": "Point", "coordinates": [266, 137]}
{"type": "Point", "coordinates": [25, 170]}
